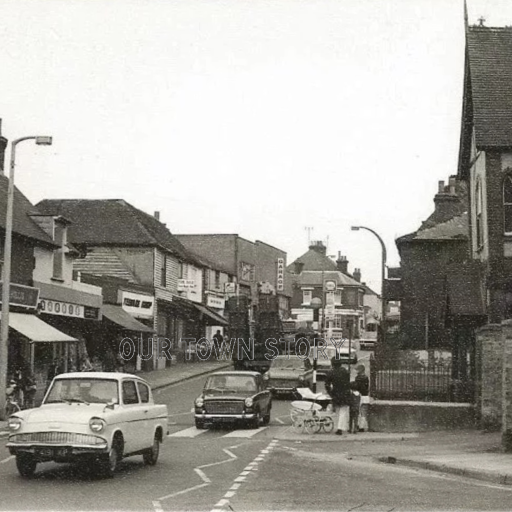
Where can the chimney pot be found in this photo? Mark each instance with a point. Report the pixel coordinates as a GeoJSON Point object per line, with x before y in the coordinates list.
{"type": "Point", "coordinates": [342, 264]}
{"type": "Point", "coordinates": [357, 274]}
{"type": "Point", "coordinates": [441, 187]}
{"type": "Point", "coordinates": [157, 215]}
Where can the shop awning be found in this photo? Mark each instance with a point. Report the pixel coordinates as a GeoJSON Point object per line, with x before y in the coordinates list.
{"type": "Point", "coordinates": [215, 318]}
{"type": "Point", "coordinates": [35, 329]}
{"type": "Point", "coordinates": [120, 317]}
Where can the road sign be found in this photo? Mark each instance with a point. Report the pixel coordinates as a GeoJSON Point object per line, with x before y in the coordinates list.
{"type": "Point", "coordinates": [330, 286]}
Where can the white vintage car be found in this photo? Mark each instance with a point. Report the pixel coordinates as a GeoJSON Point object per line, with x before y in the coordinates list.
{"type": "Point", "coordinates": [97, 417]}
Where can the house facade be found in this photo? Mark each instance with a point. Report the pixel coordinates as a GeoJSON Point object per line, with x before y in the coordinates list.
{"type": "Point", "coordinates": [249, 267]}
{"type": "Point", "coordinates": [118, 240]}
{"type": "Point", "coordinates": [344, 311]}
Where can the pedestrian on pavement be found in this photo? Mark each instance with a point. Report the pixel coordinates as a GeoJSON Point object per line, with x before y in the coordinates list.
{"type": "Point", "coordinates": [363, 386]}
{"type": "Point", "coordinates": [355, 404]}
{"type": "Point", "coordinates": [337, 384]}
{"type": "Point", "coordinates": [29, 391]}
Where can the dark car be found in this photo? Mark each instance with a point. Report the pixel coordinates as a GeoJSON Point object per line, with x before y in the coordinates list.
{"type": "Point", "coordinates": [288, 373]}
{"type": "Point", "coordinates": [233, 397]}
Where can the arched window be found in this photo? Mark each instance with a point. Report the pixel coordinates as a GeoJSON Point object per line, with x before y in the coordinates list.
{"type": "Point", "coordinates": [478, 214]}
{"type": "Point", "coordinates": [507, 204]}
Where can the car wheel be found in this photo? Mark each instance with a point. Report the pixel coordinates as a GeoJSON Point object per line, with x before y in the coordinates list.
{"type": "Point", "coordinates": [266, 418]}
{"type": "Point", "coordinates": [151, 456]}
{"type": "Point", "coordinates": [26, 464]}
{"type": "Point", "coordinates": [200, 424]}
{"type": "Point", "coordinates": [255, 423]}
{"type": "Point", "coordinates": [110, 461]}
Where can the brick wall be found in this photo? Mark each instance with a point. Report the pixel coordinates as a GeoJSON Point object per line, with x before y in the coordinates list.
{"type": "Point", "coordinates": [489, 345]}
{"type": "Point", "coordinates": [506, 376]}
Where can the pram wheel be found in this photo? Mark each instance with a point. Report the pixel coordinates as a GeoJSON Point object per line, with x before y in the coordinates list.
{"type": "Point", "coordinates": [312, 425]}
{"type": "Point", "coordinates": [328, 424]}
{"type": "Point", "coordinates": [298, 425]}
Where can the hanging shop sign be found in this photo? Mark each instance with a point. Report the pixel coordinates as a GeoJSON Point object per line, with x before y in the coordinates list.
{"type": "Point", "coordinates": [280, 274]}
{"type": "Point", "coordinates": [215, 302]}
{"type": "Point", "coordinates": [20, 295]}
{"type": "Point", "coordinates": [138, 304]}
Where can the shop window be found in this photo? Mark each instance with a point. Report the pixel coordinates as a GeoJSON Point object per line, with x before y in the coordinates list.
{"type": "Point", "coordinates": [507, 204]}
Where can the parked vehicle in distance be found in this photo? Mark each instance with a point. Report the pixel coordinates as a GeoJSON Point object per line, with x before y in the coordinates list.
{"type": "Point", "coordinates": [232, 397]}
{"type": "Point", "coordinates": [324, 357]}
{"type": "Point", "coordinates": [98, 417]}
{"type": "Point", "coordinates": [366, 344]}
{"type": "Point", "coordinates": [288, 373]}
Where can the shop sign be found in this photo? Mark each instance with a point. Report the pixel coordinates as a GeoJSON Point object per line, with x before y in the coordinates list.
{"type": "Point", "coordinates": [53, 307]}
{"type": "Point", "coordinates": [280, 274]}
{"type": "Point", "coordinates": [20, 295]}
{"type": "Point", "coordinates": [329, 312]}
{"type": "Point", "coordinates": [186, 284]}
{"type": "Point", "coordinates": [137, 304]}
{"type": "Point", "coordinates": [215, 302]}
{"type": "Point", "coordinates": [91, 313]}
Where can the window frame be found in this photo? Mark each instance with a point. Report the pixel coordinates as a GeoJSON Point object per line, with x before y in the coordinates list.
{"type": "Point", "coordinates": [506, 180]}
{"type": "Point", "coordinates": [142, 384]}
{"type": "Point", "coordinates": [478, 214]}
{"type": "Point", "coordinates": [304, 292]}
{"type": "Point", "coordinates": [130, 381]}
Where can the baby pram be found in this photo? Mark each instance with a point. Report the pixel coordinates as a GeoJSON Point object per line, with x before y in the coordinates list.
{"type": "Point", "coordinates": [312, 413]}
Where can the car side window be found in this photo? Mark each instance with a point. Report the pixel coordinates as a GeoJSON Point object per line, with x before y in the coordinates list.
{"type": "Point", "coordinates": [130, 393]}
{"type": "Point", "coordinates": [143, 392]}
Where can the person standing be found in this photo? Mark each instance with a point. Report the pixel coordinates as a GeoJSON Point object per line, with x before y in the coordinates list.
{"type": "Point", "coordinates": [337, 384]}
{"type": "Point", "coordinates": [355, 405]}
{"type": "Point", "coordinates": [218, 339]}
{"type": "Point", "coordinates": [363, 386]}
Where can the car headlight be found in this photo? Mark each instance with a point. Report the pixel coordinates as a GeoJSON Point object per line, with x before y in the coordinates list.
{"type": "Point", "coordinates": [96, 424]}
{"type": "Point", "coordinates": [14, 423]}
{"type": "Point", "coordinates": [199, 402]}
{"type": "Point", "coordinates": [266, 376]}
{"type": "Point", "coordinates": [248, 402]}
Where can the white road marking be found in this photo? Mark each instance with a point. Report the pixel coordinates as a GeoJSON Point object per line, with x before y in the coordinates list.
{"type": "Point", "coordinates": [188, 432]}
{"type": "Point", "coordinates": [244, 473]}
{"type": "Point", "coordinates": [234, 487]}
{"type": "Point", "coordinates": [7, 459]}
{"type": "Point", "coordinates": [229, 494]}
{"type": "Point", "coordinates": [240, 479]}
{"type": "Point", "coordinates": [280, 420]}
{"type": "Point", "coordinates": [222, 503]}
{"type": "Point", "coordinates": [245, 433]}
{"type": "Point", "coordinates": [184, 491]}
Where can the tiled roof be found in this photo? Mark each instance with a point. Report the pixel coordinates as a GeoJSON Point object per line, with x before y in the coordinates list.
{"type": "Point", "coordinates": [453, 229]}
{"type": "Point", "coordinates": [113, 222]}
{"type": "Point", "coordinates": [103, 261]}
{"type": "Point", "coordinates": [314, 278]}
{"type": "Point", "coordinates": [22, 224]}
{"type": "Point", "coordinates": [490, 68]}
{"type": "Point", "coordinates": [313, 260]}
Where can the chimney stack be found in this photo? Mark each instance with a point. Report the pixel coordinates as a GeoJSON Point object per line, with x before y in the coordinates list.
{"type": "Point", "coordinates": [157, 216]}
{"type": "Point", "coordinates": [440, 189]}
{"type": "Point", "coordinates": [3, 146]}
{"type": "Point", "coordinates": [447, 202]}
{"type": "Point", "coordinates": [342, 263]}
{"type": "Point", "coordinates": [452, 184]}
{"type": "Point", "coordinates": [357, 274]}
{"type": "Point", "coordinates": [319, 247]}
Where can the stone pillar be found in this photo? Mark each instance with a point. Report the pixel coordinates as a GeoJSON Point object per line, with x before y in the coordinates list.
{"type": "Point", "coordinates": [489, 342]}
{"type": "Point", "coordinates": [506, 427]}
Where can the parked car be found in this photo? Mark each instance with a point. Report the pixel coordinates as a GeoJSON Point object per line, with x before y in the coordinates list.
{"type": "Point", "coordinates": [323, 361]}
{"type": "Point", "coordinates": [232, 397]}
{"type": "Point", "coordinates": [95, 416]}
{"type": "Point", "coordinates": [287, 373]}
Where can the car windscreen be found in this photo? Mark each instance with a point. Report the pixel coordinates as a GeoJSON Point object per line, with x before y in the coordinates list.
{"type": "Point", "coordinates": [235, 383]}
{"type": "Point", "coordinates": [294, 363]}
{"type": "Point", "coordinates": [86, 390]}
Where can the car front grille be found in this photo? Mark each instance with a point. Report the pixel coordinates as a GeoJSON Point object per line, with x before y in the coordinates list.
{"type": "Point", "coordinates": [56, 438]}
{"type": "Point", "coordinates": [224, 407]}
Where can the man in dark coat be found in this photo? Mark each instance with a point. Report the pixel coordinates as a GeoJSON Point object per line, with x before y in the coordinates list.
{"type": "Point", "coordinates": [337, 384]}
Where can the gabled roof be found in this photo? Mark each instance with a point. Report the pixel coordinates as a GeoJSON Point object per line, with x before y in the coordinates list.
{"type": "Point", "coordinates": [313, 260]}
{"type": "Point", "coordinates": [489, 54]}
{"type": "Point", "coordinates": [314, 278]}
{"type": "Point", "coordinates": [100, 222]}
{"type": "Point", "coordinates": [22, 224]}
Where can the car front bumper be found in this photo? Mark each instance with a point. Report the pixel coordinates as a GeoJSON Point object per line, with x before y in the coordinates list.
{"type": "Point", "coordinates": [224, 417]}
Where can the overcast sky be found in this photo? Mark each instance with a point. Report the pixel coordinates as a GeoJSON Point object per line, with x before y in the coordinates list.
{"type": "Point", "coordinates": [256, 117]}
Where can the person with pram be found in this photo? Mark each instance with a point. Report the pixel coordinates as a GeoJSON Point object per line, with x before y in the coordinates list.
{"type": "Point", "coordinates": [337, 384]}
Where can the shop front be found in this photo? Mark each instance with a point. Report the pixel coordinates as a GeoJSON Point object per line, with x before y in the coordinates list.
{"type": "Point", "coordinates": [76, 311]}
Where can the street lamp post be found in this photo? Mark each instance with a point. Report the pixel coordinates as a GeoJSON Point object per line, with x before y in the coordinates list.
{"type": "Point", "coordinates": [6, 279]}
{"type": "Point", "coordinates": [383, 277]}
{"type": "Point", "coordinates": [316, 304]}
